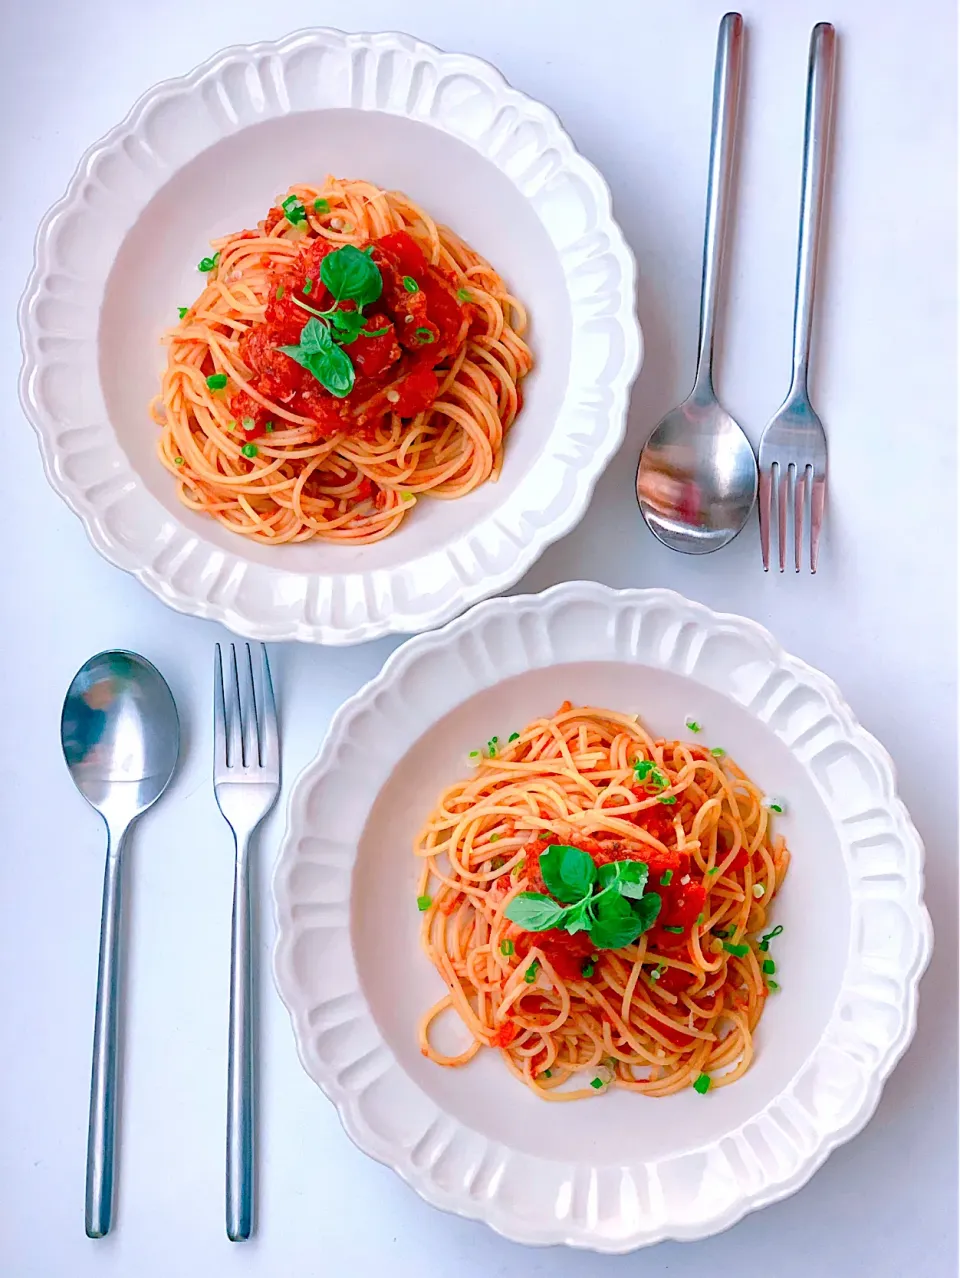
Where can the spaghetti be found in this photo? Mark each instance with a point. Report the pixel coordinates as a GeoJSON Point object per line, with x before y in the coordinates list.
{"type": "Point", "coordinates": [298, 402]}
{"type": "Point", "coordinates": [575, 802]}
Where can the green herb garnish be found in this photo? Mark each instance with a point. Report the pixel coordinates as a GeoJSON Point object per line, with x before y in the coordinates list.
{"type": "Point", "coordinates": [548, 1073]}
{"type": "Point", "coordinates": [718, 752]}
{"type": "Point", "coordinates": [424, 903]}
{"type": "Point", "coordinates": [279, 293]}
{"type": "Point", "coordinates": [587, 970]}
{"type": "Point", "coordinates": [694, 726]}
{"type": "Point", "coordinates": [307, 286]}
{"type": "Point", "coordinates": [667, 798]}
{"type": "Point", "coordinates": [319, 355]}
{"type": "Point", "coordinates": [474, 754]}
{"type": "Point", "coordinates": [514, 736]}
{"type": "Point", "coordinates": [293, 210]}
{"type": "Point", "coordinates": [668, 928]}
{"type": "Point", "coordinates": [772, 985]}
{"type": "Point", "coordinates": [701, 1084]}
{"type": "Point", "coordinates": [425, 335]}
{"type": "Point", "coordinates": [647, 771]}
{"type": "Point", "coordinates": [182, 310]}
{"type": "Point", "coordinates": [530, 975]}
{"type": "Point", "coordinates": [249, 450]}
{"type": "Point", "coordinates": [463, 295]}
{"type": "Point", "coordinates": [217, 381]}
{"type": "Point", "coordinates": [209, 263]}
{"type": "Point", "coordinates": [247, 423]}
{"type": "Point", "coordinates": [506, 948]}
{"type": "Point", "coordinates": [269, 427]}
{"type": "Point", "coordinates": [665, 878]}
{"type": "Point", "coordinates": [610, 904]}
{"type": "Point", "coordinates": [769, 936]}
{"type": "Point", "coordinates": [768, 967]}
{"type": "Point", "coordinates": [596, 1083]}
{"type": "Point", "coordinates": [738, 951]}
{"type": "Point", "coordinates": [320, 205]}
{"type": "Point", "coordinates": [179, 461]}
{"type": "Point", "coordinates": [410, 284]}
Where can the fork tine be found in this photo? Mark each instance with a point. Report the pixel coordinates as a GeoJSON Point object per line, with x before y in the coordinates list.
{"type": "Point", "coordinates": [251, 713]}
{"type": "Point", "coordinates": [766, 494]}
{"type": "Point", "coordinates": [234, 713]}
{"type": "Point", "coordinates": [783, 486]}
{"type": "Point", "coordinates": [799, 491]}
{"type": "Point", "coordinates": [219, 713]}
{"type": "Point", "coordinates": [269, 739]}
{"type": "Point", "coordinates": [817, 499]}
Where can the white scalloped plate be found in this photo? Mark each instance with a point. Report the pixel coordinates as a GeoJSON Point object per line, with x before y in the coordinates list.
{"type": "Point", "coordinates": [205, 154]}
{"type": "Point", "coordinates": [620, 1171]}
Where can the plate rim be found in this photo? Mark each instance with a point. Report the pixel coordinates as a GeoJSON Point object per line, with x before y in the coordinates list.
{"type": "Point", "coordinates": [401, 660]}
{"type": "Point", "coordinates": [368, 614]}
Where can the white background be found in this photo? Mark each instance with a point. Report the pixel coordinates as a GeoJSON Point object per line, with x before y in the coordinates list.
{"type": "Point", "coordinates": [631, 81]}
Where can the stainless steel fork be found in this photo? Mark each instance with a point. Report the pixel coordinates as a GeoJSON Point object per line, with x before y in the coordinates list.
{"type": "Point", "coordinates": [793, 448]}
{"type": "Point", "coordinates": [246, 782]}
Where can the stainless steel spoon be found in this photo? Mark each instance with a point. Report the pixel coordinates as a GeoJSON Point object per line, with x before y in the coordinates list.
{"type": "Point", "coordinates": [120, 735]}
{"type": "Point", "coordinates": [697, 477]}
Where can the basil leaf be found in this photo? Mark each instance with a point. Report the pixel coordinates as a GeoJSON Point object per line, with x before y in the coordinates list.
{"type": "Point", "coordinates": [347, 326]}
{"type": "Point", "coordinates": [646, 910]}
{"type": "Point", "coordinates": [349, 273]}
{"type": "Point", "coordinates": [628, 877]}
{"type": "Point", "coordinates": [579, 917]}
{"type": "Point", "coordinates": [336, 373]}
{"type": "Point", "coordinates": [534, 911]}
{"type": "Point", "coordinates": [318, 355]}
{"type": "Point", "coordinates": [616, 923]}
{"type": "Point", "coordinates": [568, 873]}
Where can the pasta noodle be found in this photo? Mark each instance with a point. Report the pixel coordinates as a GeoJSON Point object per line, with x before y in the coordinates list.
{"type": "Point", "coordinates": [677, 1006]}
{"type": "Point", "coordinates": [256, 441]}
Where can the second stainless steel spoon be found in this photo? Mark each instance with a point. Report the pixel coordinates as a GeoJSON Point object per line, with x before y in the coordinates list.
{"type": "Point", "coordinates": [697, 477]}
{"type": "Point", "coordinates": [121, 736]}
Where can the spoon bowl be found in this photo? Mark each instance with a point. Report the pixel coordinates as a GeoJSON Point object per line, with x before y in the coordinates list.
{"type": "Point", "coordinates": [697, 478]}
{"type": "Point", "coordinates": [121, 735]}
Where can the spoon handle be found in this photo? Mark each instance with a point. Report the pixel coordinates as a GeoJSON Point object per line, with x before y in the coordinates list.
{"type": "Point", "coordinates": [240, 1060]}
{"type": "Point", "coordinates": [820, 81]}
{"type": "Point", "coordinates": [103, 1082]}
{"type": "Point", "coordinates": [726, 97]}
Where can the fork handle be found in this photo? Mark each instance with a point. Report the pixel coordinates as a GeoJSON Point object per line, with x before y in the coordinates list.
{"type": "Point", "coordinates": [240, 1059]}
{"type": "Point", "coordinates": [816, 140]}
{"type": "Point", "coordinates": [726, 97]}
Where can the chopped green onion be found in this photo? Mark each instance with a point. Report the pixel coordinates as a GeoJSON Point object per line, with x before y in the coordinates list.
{"type": "Point", "coordinates": [474, 754]}
{"type": "Point", "coordinates": [209, 263]}
{"type": "Point", "coordinates": [596, 1083]}
{"type": "Point", "coordinates": [494, 838]}
{"type": "Point", "coordinates": [182, 310]}
{"type": "Point", "coordinates": [514, 736]}
{"type": "Point", "coordinates": [307, 286]}
{"type": "Point", "coordinates": [721, 932]}
{"type": "Point", "coordinates": [694, 726]}
{"type": "Point", "coordinates": [768, 967]}
{"type": "Point", "coordinates": [758, 890]}
{"type": "Point", "coordinates": [665, 878]}
{"type": "Point", "coordinates": [772, 985]}
{"type": "Point", "coordinates": [775, 805]}
{"type": "Point", "coordinates": [279, 293]}
{"type": "Point", "coordinates": [738, 951]}
{"type": "Point", "coordinates": [424, 903]}
{"type": "Point", "coordinates": [530, 975]}
{"type": "Point", "coordinates": [463, 295]}
{"type": "Point", "coordinates": [179, 461]}
{"type": "Point", "coordinates": [701, 1084]}
{"type": "Point", "coordinates": [492, 747]}
{"type": "Point", "coordinates": [497, 863]}
{"type": "Point", "coordinates": [667, 798]}
{"type": "Point", "coordinates": [506, 948]}
{"type": "Point", "coordinates": [293, 210]}
{"type": "Point", "coordinates": [699, 920]}
{"type": "Point", "coordinates": [715, 870]}
{"type": "Point", "coordinates": [410, 284]}
{"type": "Point", "coordinates": [217, 381]}
{"type": "Point", "coordinates": [587, 970]}
{"type": "Point", "coordinates": [320, 205]}
{"type": "Point", "coordinates": [249, 450]}
{"type": "Point", "coordinates": [407, 496]}
{"type": "Point", "coordinates": [655, 974]}
{"type": "Point", "coordinates": [668, 928]}
{"type": "Point", "coordinates": [769, 936]}
{"type": "Point", "coordinates": [548, 1073]}
{"type": "Point", "coordinates": [425, 335]}
{"type": "Point", "coordinates": [248, 423]}
{"type": "Point", "coordinates": [718, 752]}
{"type": "Point", "coordinates": [269, 428]}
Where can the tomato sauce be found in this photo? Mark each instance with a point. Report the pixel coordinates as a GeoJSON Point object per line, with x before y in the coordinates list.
{"type": "Point", "coordinates": [395, 370]}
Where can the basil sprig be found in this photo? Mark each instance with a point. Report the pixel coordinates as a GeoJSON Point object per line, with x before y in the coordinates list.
{"type": "Point", "coordinates": [351, 275]}
{"type": "Point", "coordinates": [610, 904]}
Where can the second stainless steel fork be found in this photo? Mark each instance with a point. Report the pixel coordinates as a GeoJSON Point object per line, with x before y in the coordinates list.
{"type": "Point", "coordinates": [246, 782]}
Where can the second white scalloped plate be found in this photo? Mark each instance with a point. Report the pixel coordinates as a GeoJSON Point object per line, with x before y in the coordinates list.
{"type": "Point", "coordinates": [620, 1171]}
{"type": "Point", "coordinates": [205, 154]}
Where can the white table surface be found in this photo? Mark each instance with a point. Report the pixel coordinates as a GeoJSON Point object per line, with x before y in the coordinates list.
{"type": "Point", "coordinates": [634, 91]}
